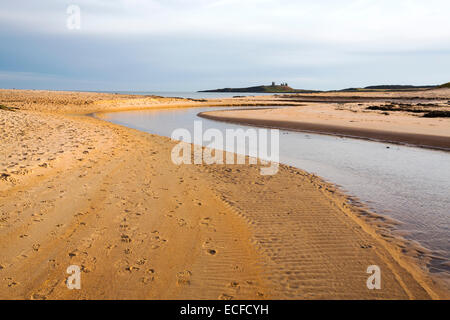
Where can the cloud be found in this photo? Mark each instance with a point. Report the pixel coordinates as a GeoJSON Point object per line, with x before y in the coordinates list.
{"type": "Point", "coordinates": [346, 21]}
{"type": "Point", "coordinates": [170, 44]}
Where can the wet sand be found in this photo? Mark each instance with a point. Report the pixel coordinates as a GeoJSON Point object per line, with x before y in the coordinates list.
{"type": "Point", "coordinates": [351, 120]}
{"type": "Point", "coordinates": [75, 190]}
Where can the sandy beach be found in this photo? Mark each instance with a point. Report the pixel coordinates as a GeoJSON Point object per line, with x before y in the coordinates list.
{"type": "Point", "coordinates": [354, 119]}
{"type": "Point", "coordinates": [76, 190]}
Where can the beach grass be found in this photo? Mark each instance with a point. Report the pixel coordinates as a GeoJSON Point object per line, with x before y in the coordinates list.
{"type": "Point", "coordinates": [6, 108]}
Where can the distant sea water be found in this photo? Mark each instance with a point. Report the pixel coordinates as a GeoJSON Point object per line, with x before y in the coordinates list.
{"type": "Point", "coordinates": [192, 95]}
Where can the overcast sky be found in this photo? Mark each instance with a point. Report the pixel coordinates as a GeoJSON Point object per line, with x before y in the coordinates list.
{"type": "Point", "coordinates": [186, 45]}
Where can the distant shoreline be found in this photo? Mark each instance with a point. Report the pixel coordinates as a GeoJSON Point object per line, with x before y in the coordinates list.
{"type": "Point", "coordinates": [284, 88]}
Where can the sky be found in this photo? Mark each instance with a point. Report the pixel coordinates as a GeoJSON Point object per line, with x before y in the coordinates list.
{"type": "Point", "coordinates": [189, 45]}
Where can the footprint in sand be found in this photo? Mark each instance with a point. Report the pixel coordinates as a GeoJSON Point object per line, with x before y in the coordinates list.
{"type": "Point", "coordinates": [149, 277]}
{"type": "Point", "coordinates": [124, 226]}
{"type": "Point", "coordinates": [182, 223]}
{"type": "Point", "coordinates": [207, 245]}
{"type": "Point", "coordinates": [224, 296]}
{"type": "Point", "coordinates": [146, 280]}
{"type": "Point", "coordinates": [85, 268]}
{"type": "Point", "coordinates": [184, 278]}
{"type": "Point", "coordinates": [53, 263]}
{"type": "Point", "coordinates": [131, 268]}
{"type": "Point", "coordinates": [234, 285]}
{"type": "Point", "coordinates": [11, 282]}
{"type": "Point", "coordinates": [205, 221]}
{"type": "Point", "coordinates": [125, 238]}
{"type": "Point", "coordinates": [73, 253]}
{"type": "Point", "coordinates": [38, 296]}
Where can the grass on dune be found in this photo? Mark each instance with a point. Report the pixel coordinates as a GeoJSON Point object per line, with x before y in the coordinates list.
{"type": "Point", "coordinates": [3, 107]}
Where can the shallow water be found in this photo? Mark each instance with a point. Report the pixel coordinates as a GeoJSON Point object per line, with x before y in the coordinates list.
{"type": "Point", "coordinates": [410, 185]}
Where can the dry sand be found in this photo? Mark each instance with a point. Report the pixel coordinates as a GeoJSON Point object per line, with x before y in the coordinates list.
{"type": "Point", "coordinates": [80, 191]}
